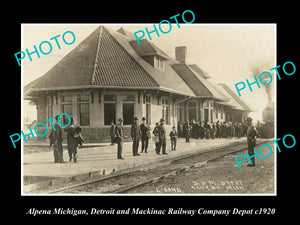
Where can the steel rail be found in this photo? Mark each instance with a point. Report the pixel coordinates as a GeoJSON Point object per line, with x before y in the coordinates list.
{"type": "Point", "coordinates": [152, 180]}
{"type": "Point", "coordinates": [199, 164]}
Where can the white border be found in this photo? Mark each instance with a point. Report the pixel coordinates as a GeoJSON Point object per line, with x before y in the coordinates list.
{"type": "Point", "coordinates": [141, 24]}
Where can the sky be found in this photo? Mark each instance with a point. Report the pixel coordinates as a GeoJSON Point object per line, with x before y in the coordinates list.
{"type": "Point", "coordinates": [229, 53]}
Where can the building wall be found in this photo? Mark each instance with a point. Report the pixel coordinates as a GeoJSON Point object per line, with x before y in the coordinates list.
{"type": "Point", "coordinates": [41, 114]}
{"type": "Point", "coordinates": [97, 131]}
{"type": "Point", "coordinates": [216, 112]}
{"type": "Point", "coordinates": [240, 116]}
{"type": "Point", "coordinates": [219, 113]}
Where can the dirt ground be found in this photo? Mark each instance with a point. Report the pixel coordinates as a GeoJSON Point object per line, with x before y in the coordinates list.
{"type": "Point", "coordinates": [219, 177]}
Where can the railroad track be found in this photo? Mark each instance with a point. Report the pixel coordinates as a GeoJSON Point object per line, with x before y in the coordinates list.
{"type": "Point", "coordinates": [125, 182]}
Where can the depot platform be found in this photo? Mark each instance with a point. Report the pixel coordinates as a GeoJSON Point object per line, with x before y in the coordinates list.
{"type": "Point", "coordinates": [102, 160]}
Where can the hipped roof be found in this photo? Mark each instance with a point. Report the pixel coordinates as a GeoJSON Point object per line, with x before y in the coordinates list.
{"type": "Point", "coordinates": [234, 99]}
{"type": "Point", "coordinates": [112, 59]}
{"type": "Point", "coordinates": [107, 59]}
{"type": "Point", "coordinates": [201, 86]}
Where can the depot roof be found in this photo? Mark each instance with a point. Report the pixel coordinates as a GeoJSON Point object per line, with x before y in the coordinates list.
{"type": "Point", "coordinates": [107, 59]}
{"type": "Point", "coordinates": [234, 100]}
{"type": "Point", "coordinates": [112, 59]}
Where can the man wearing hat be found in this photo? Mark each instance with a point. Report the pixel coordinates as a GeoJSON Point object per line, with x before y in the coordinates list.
{"type": "Point", "coordinates": [162, 137]}
{"type": "Point", "coordinates": [135, 135]}
{"type": "Point", "coordinates": [144, 136]}
{"type": "Point", "coordinates": [173, 136]}
{"type": "Point", "coordinates": [187, 131]}
{"type": "Point", "coordinates": [156, 138]}
{"type": "Point", "coordinates": [56, 140]}
{"type": "Point", "coordinates": [251, 139]}
{"type": "Point", "coordinates": [120, 135]}
{"type": "Point", "coordinates": [72, 143]}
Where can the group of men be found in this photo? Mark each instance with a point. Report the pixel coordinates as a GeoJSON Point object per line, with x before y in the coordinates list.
{"type": "Point", "coordinates": [142, 132]}
{"type": "Point", "coordinates": [197, 129]}
{"type": "Point", "coordinates": [74, 138]}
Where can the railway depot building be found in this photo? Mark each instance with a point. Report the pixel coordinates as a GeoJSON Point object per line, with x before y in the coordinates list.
{"type": "Point", "coordinates": [109, 76]}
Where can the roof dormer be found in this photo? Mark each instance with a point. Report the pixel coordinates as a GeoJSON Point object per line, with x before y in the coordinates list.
{"type": "Point", "coordinates": [150, 53]}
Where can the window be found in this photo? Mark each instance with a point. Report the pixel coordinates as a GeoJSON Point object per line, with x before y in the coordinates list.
{"type": "Point", "coordinates": [166, 110]}
{"type": "Point", "coordinates": [148, 99]}
{"type": "Point", "coordinates": [110, 98]}
{"type": "Point", "coordinates": [110, 109]}
{"type": "Point", "coordinates": [84, 110]}
{"type": "Point", "coordinates": [128, 113]}
{"type": "Point", "coordinates": [83, 98]}
{"type": "Point", "coordinates": [84, 114]}
{"type": "Point", "coordinates": [192, 105]}
{"type": "Point", "coordinates": [128, 109]}
{"type": "Point", "coordinates": [192, 110]}
{"type": "Point", "coordinates": [208, 111]}
{"type": "Point", "coordinates": [180, 112]}
{"type": "Point", "coordinates": [109, 113]}
{"type": "Point", "coordinates": [161, 64]}
{"type": "Point", "coordinates": [128, 97]}
{"type": "Point", "coordinates": [66, 107]}
{"type": "Point", "coordinates": [165, 101]}
{"type": "Point", "coordinates": [206, 115]}
{"type": "Point", "coordinates": [49, 109]}
{"type": "Point", "coordinates": [216, 110]}
{"type": "Point", "coordinates": [67, 98]}
{"type": "Point", "coordinates": [158, 63]}
{"type": "Point", "coordinates": [148, 109]}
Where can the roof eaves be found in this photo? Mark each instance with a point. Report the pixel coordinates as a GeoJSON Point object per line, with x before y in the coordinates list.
{"type": "Point", "coordinates": [194, 74]}
{"type": "Point", "coordinates": [245, 106]}
{"type": "Point", "coordinates": [200, 71]}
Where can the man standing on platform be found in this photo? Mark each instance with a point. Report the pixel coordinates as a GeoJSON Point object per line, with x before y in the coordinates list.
{"type": "Point", "coordinates": [162, 137]}
{"type": "Point", "coordinates": [72, 133]}
{"type": "Point", "coordinates": [120, 135]}
{"type": "Point", "coordinates": [56, 140]}
{"type": "Point", "coordinates": [135, 135]}
{"type": "Point", "coordinates": [251, 139]}
{"type": "Point", "coordinates": [156, 138]}
{"type": "Point", "coordinates": [144, 138]}
{"type": "Point", "coordinates": [187, 131]}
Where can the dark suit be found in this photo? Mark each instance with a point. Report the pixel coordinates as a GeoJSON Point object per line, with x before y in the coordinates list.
{"type": "Point", "coordinates": [162, 138]}
{"type": "Point", "coordinates": [156, 139]}
{"type": "Point", "coordinates": [173, 136]}
{"type": "Point", "coordinates": [251, 139]}
{"type": "Point", "coordinates": [135, 135]}
{"type": "Point", "coordinates": [144, 137]}
{"type": "Point", "coordinates": [71, 141]}
{"type": "Point", "coordinates": [119, 133]}
{"type": "Point", "coordinates": [187, 130]}
{"type": "Point", "coordinates": [56, 140]}
{"type": "Point", "coordinates": [218, 135]}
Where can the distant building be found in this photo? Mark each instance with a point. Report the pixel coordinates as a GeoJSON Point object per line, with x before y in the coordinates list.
{"type": "Point", "coordinates": [109, 76]}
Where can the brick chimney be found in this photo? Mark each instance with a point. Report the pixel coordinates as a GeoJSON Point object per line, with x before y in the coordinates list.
{"type": "Point", "coordinates": [180, 54]}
